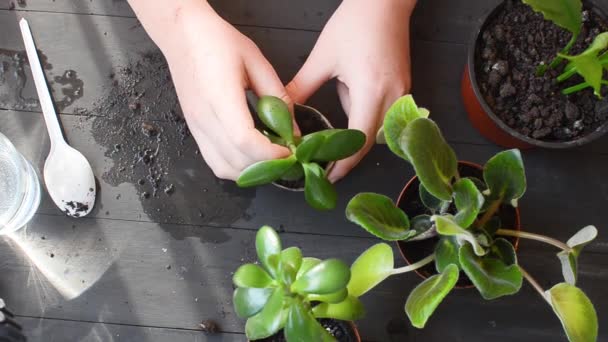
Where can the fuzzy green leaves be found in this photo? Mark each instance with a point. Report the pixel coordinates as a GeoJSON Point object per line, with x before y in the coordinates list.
{"type": "Point", "coordinates": [425, 298]}
{"type": "Point", "coordinates": [380, 216]}
{"type": "Point", "coordinates": [370, 269]}
{"type": "Point", "coordinates": [318, 190]}
{"type": "Point", "coordinates": [589, 64]}
{"type": "Point", "coordinates": [575, 311]}
{"type": "Point", "coordinates": [447, 226]}
{"type": "Point", "coordinates": [433, 159]}
{"type": "Point", "coordinates": [264, 172]}
{"type": "Point", "coordinates": [275, 114]}
{"type": "Point", "coordinates": [505, 176]}
{"type": "Point", "coordinates": [566, 14]}
{"type": "Point", "coordinates": [398, 116]}
{"type": "Point", "coordinates": [468, 201]}
{"type": "Point", "coordinates": [569, 258]}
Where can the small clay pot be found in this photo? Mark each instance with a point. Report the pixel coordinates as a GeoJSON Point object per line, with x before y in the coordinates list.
{"type": "Point", "coordinates": [347, 327]}
{"type": "Point", "coordinates": [483, 117]}
{"type": "Point", "coordinates": [309, 120]}
{"type": "Point", "coordinates": [409, 201]}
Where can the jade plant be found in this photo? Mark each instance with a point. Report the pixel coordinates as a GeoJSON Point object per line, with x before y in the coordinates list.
{"type": "Point", "coordinates": [590, 64]}
{"type": "Point", "coordinates": [462, 215]}
{"type": "Point", "coordinates": [308, 154]}
{"type": "Point", "coordinates": [290, 292]}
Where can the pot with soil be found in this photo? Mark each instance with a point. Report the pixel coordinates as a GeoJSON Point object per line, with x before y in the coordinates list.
{"type": "Point", "coordinates": [519, 92]}
{"type": "Point", "coordinates": [312, 155]}
{"type": "Point", "coordinates": [457, 225]}
{"type": "Point", "coordinates": [342, 331]}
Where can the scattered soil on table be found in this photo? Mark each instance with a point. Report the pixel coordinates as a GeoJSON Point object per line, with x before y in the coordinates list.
{"type": "Point", "coordinates": [16, 84]}
{"type": "Point", "coordinates": [341, 330]}
{"type": "Point", "coordinates": [78, 209]}
{"type": "Point", "coordinates": [209, 326]}
{"type": "Point", "coordinates": [414, 251]}
{"type": "Point", "coordinates": [139, 122]}
{"type": "Point", "coordinates": [508, 53]}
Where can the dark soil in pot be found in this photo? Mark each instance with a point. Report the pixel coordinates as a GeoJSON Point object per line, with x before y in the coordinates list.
{"type": "Point", "coordinates": [513, 42]}
{"type": "Point", "coordinates": [409, 201]}
{"type": "Point", "coordinates": [343, 332]}
{"type": "Point", "coordinates": [309, 121]}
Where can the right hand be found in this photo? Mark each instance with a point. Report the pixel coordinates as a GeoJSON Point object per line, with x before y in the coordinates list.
{"type": "Point", "coordinates": [212, 64]}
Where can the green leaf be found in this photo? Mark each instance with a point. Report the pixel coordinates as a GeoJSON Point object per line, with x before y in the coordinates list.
{"type": "Point", "coordinates": [421, 224]}
{"type": "Point", "coordinates": [268, 321]}
{"type": "Point", "coordinates": [380, 216]}
{"type": "Point", "coordinates": [468, 201]}
{"type": "Point", "coordinates": [431, 202]}
{"type": "Point", "coordinates": [265, 172]}
{"type": "Point", "coordinates": [251, 275]}
{"type": "Point", "coordinates": [425, 298]}
{"type": "Point", "coordinates": [326, 277]}
{"type": "Point", "coordinates": [275, 114]}
{"type": "Point", "coordinates": [492, 277]}
{"type": "Point", "coordinates": [349, 309]}
{"type": "Point", "coordinates": [296, 172]}
{"type": "Point", "coordinates": [339, 144]}
{"type": "Point", "coordinates": [249, 301]}
{"type": "Point", "coordinates": [446, 253]}
{"type": "Point", "coordinates": [302, 326]}
{"type": "Point", "coordinates": [567, 14]}
{"type": "Point", "coordinates": [589, 65]}
{"type": "Point", "coordinates": [433, 159]}
{"type": "Point", "coordinates": [267, 243]}
{"type": "Point", "coordinates": [504, 251]}
{"type": "Point", "coordinates": [307, 263]}
{"type": "Point", "coordinates": [333, 298]}
{"type": "Point", "coordinates": [310, 144]}
{"type": "Point", "coordinates": [319, 192]}
{"type": "Point", "coordinates": [371, 268]}
{"type": "Point", "coordinates": [274, 139]}
{"type": "Point", "coordinates": [505, 176]}
{"type": "Point", "coordinates": [402, 112]}
{"type": "Point", "coordinates": [575, 311]}
{"type": "Point", "coordinates": [291, 259]}
{"type": "Point", "coordinates": [569, 259]}
{"type": "Point", "coordinates": [447, 226]}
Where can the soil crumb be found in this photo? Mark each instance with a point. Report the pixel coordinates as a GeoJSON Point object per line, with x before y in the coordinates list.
{"type": "Point", "coordinates": [209, 326]}
{"type": "Point", "coordinates": [509, 51]}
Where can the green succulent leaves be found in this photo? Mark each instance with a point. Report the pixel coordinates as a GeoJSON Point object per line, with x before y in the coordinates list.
{"type": "Point", "coordinates": [505, 176]}
{"type": "Point", "coordinates": [249, 301]}
{"type": "Point", "coordinates": [575, 311]}
{"type": "Point", "coordinates": [320, 147]}
{"type": "Point", "coordinates": [433, 159]}
{"type": "Point", "coordinates": [270, 319]}
{"type": "Point", "coordinates": [380, 216]}
{"type": "Point", "coordinates": [425, 298]}
{"type": "Point", "coordinates": [566, 14]}
{"type": "Point", "coordinates": [302, 326]}
{"type": "Point", "coordinates": [326, 277]}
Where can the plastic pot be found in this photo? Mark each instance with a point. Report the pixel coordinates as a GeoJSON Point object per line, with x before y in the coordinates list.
{"type": "Point", "coordinates": [413, 251]}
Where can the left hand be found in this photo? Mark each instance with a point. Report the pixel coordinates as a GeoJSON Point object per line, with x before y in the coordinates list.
{"type": "Point", "coordinates": [365, 45]}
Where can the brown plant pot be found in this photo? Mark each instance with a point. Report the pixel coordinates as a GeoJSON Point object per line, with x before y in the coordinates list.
{"type": "Point", "coordinates": [347, 326]}
{"type": "Point", "coordinates": [487, 122]}
{"type": "Point", "coordinates": [413, 251]}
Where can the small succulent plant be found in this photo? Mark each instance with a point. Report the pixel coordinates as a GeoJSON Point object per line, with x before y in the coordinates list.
{"type": "Point", "coordinates": [308, 153]}
{"type": "Point", "coordinates": [462, 214]}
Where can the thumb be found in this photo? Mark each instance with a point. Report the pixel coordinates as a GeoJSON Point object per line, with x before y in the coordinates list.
{"type": "Point", "coordinates": [364, 115]}
{"type": "Point", "coordinates": [313, 74]}
{"type": "Point", "coordinates": [264, 80]}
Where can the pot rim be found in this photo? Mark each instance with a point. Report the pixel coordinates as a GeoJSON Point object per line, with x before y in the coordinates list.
{"type": "Point", "coordinates": [402, 195]}
{"type": "Point", "coordinates": [352, 324]}
{"type": "Point", "coordinates": [598, 132]}
{"type": "Point", "coordinates": [323, 118]}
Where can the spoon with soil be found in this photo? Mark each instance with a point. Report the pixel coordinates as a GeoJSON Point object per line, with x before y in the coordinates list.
{"type": "Point", "coordinates": [67, 173]}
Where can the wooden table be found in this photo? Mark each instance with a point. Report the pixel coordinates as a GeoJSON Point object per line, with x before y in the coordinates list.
{"type": "Point", "coordinates": [122, 274]}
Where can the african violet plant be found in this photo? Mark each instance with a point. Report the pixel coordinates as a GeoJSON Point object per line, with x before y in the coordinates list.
{"type": "Point", "coordinates": [464, 216]}
{"type": "Point", "coordinates": [308, 153]}
{"type": "Point", "coordinates": [291, 292]}
{"type": "Point", "coordinates": [568, 14]}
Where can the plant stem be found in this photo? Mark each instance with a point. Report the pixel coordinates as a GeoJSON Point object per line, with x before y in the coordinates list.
{"type": "Point", "coordinates": [540, 71]}
{"type": "Point", "coordinates": [566, 75]}
{"type": "Point", "coordinates": [489, 213]}
{"type": "Point", "coordinates": [444, 207]}
{"type": "Point", "coordinates": [534, 283]}
{"type": "Point", "coordinates": [415, 265]}
{"type": "Point", "coordinates": [537, 237]}
{"type": "Point", "coordinates": [579, 87]}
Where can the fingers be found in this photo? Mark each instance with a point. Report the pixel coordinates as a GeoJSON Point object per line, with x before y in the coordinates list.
{"type": "Point", "coordinates": [264, 80]}
{"type": "Point", "coordinates": [313, 74]}
{"type": "Point", "coordinates": [365, 114]}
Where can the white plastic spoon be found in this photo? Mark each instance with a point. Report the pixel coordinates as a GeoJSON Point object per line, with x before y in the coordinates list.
{"type": "Point", "coordinates": [67, 173]}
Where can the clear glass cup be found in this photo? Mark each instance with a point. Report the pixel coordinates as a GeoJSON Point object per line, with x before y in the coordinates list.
{"type": "Point", "coordinates": [19, 188]}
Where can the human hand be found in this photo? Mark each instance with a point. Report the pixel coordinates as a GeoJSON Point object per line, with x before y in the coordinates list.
{"type": "Point", "coordinates": [365, 45]}
{"type": "Point", "coordinates": [212, 64]}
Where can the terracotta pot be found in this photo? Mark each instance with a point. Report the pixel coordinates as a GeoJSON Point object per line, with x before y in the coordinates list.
{"type": "Point", "coordinates": [354, 331]}
{"type": "Point", "coordinates": [487, 122]}
{"type": "Point", "coordinates": [417, 250]}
